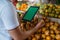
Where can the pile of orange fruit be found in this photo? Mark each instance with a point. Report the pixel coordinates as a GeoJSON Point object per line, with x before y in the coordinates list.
{"type": "Point", "coordinates": [50, 31]}
{"type": "Point", "coordinates": [23, 7]}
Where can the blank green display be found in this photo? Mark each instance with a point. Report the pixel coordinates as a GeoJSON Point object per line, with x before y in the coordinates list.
{"type": "Point", "coordinates": [30, 13]}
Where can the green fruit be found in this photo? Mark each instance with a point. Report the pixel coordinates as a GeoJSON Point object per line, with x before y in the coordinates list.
{"type": "Point", "coordinates": [46, 11]}
{"type": "Point", "coordinates": [57, 12]}
{"type": "Point", "coordinates": [17, 5]}
{"type": "Point", "coordinates": [42, 13]}
{"type": "Point", "coordinates": [54, 8]}
{"type": "Point", "coordinates": [59, 16]}
{"type": "Point", "coordinates": [56, 16]}
{"type": "Point", "coordinates": [49, 10]}
{"type": "Point", "coordinates": [53, 12]}
{"type": "Point", "coordinates": [46, 14]}
{"type": "Point", "coordinates": [37, 4]}
{"type": "Point", "coordinates": [51, 15]}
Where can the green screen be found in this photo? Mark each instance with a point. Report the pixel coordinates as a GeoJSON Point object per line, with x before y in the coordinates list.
{"type": "Point", "coordinates": [30, 13]}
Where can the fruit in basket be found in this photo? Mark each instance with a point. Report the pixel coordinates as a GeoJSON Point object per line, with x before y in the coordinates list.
{"type": "Point", "coordinates": [56, 24]}
{"type": "Point", "coordinates": [57, 6]}
{"type": "Point", "coordinates": [48, 38]}
{"type": "Point", "coordinates": [37, 36]}
{"type": "Point", "coordinates": [43, 35]}
{"type": "Point", "coordinates": [45, 6]}
{"type": "Point", "coordinates": [51, 23]}
{"type": "Point", "coordinates": [58, 37]}
{"type": "Point", "coordinates": [23, 7]}
{"type": "Point", "coordinates": [37, 4]}
{"type": "Point", "coordinates": [51, 15]}
{"type": "Point", "coordinates": [49, 31]}
{"type": "Point", "coordinates": [55, 27]}
{"type": "Point", "coordinates": [43, 29]}
{"type": "Point", "coordinates": [58, 16]}
{"type": "Point", "coordinates": [57, 32]}
{"type": "Point", "coordinates": [57, 12]}
{"type": "Point", "coordinates": [47, 24]}
{"type": "Point", "coordinates": [52, 36]}
{"type": "Point", "coordinates": [17, 6]}
{"type": "Point", "coordinates": [46, 14]}
{"type": "Point", "coordinates": [34, 38]}
{"type": "Point", "coordinates": [46, 11]}
{"type": "Point", "coordinates": [50, 10]}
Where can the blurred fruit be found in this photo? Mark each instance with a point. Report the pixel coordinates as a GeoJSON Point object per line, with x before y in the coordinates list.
{"type": "Point", "coordinates": [58, 16]}
{"type": "Point", "coordinates": [43, 35]}
{"type": "Point", "coordinates": [48, 38]}
{"type": "Point", "coordinates": [37, 4]}
{"type": "Point", "coordinates": [50, 10]}
{"type": "Point", "coordinates": [50, 31]}
{"type": "Point", "coordinates": [51, 5]}
{"type": "Point", "coordinates": [51, 23]}
{"type": "Point", "coordinates": [57, 32]}
{"type": "Point", "coordinates": [55, 28]}
{"type": "Point", "coordinates": [52, 26]}
{"type": "Point", "coordinates": [47, 24]}
{"type": "Point", "coordinates": [58, 37]}
{"type": "Point", "coordinates": [56, 24]}
{"type": "Point", "coordinates": [22, 6]}
{"type": "Point", "coordinates": [46, 14]}
{"type": "Point", "coordinates": [17, 6]}
{"type": "Point", "coordinates": [52, 36]}
{"type": "Point", "coordinates": [58, 6]}
{"type": "Point", "coordinates": [47, 32]}
{"type": "Point", "coordinates": [34, 38]}
{"type": "Point", "coordinates": [37, 36]}
{"type": "Point", "coordinates": [43, 29]}
{"type": "Point", "coordinates": [46, 11]}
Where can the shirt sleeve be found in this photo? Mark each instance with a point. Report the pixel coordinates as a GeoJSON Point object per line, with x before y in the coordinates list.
{"type": "Point", "coordinates": [9, 17]}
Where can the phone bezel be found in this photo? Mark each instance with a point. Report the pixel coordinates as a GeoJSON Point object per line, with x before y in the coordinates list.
{"type": "Point", "coordinates": [27, 11]}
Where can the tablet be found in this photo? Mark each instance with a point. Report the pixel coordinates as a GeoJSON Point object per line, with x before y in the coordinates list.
{"type": "Point", "coordinates": [29, 15]}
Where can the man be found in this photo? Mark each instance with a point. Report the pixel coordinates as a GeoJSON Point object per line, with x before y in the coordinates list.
{"type": "Point", "coordinates": [9, 23]}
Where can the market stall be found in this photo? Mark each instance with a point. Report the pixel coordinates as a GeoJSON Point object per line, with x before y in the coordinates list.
{"type": "Point", "coordinates": [50, 13]}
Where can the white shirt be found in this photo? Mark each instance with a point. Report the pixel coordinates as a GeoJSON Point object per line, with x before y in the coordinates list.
{"type": "Point", "coordinates": [8, 19]}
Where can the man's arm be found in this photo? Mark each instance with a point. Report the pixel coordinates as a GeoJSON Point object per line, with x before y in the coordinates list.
{"type": "Point", "coordinates": [20, 35]}
{"type": "Point", "coordinates": [9, 18]}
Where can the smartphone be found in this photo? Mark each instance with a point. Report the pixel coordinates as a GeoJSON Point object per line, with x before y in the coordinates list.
{"type": "Point", "coordinates": [29, 15]}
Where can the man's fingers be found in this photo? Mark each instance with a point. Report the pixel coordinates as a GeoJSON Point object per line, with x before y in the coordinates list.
{"type": "Point", "coordinates": [41, 22]}
{"type": "Point", "coordinates": [42, 25]}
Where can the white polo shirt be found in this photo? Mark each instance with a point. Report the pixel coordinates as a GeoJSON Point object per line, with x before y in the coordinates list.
{"type": "Point", "coordinates": [8, 19]}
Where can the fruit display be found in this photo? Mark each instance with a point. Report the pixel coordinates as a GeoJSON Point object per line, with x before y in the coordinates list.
{"type": "Point", "coordinates": [22, 6]}
{"type": "Point", "coordinates": [50, 10]}
{"type": "Point", "coordinates": [50, 31]}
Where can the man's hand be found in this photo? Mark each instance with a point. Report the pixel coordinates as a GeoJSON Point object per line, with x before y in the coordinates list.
{"type": "Point", "coordinates": [17, 34]}
{"type": "Point", "coordinates": [38, 26]}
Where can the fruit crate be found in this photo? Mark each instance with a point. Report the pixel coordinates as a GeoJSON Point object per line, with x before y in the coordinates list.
{"type": "Point", "coordinates": [50, 31]}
